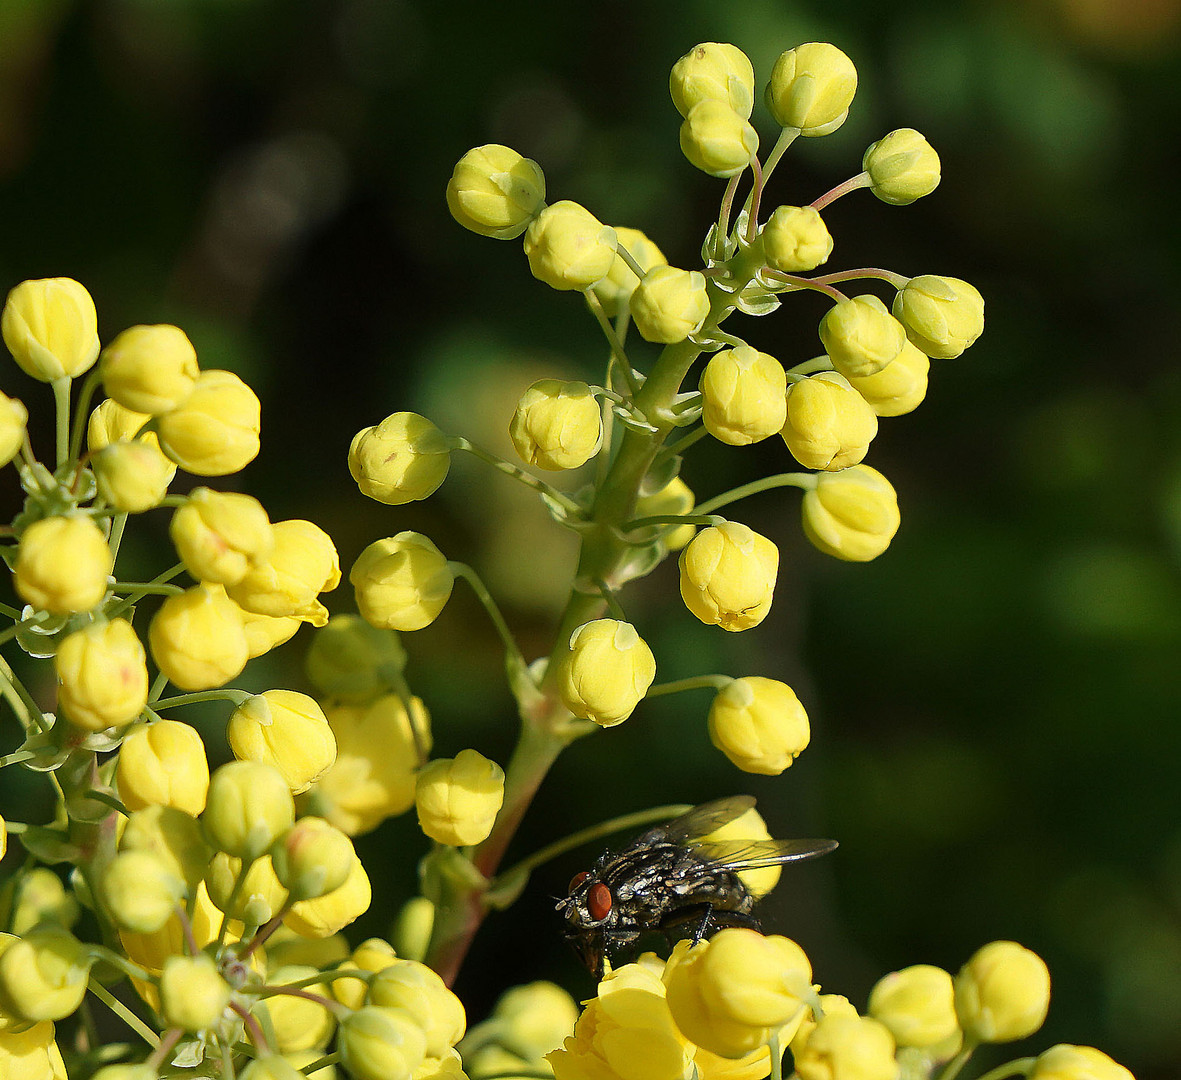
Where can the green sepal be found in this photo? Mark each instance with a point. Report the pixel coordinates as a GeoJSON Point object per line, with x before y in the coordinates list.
{"type": "Point", "coordinates": [446, 871]}
{"type": "Point", "coordinates": [662, 472]}
{"type": "Point", "coordinates": [39, 632]}
{"type": "Point", "coordinates": [505, 889]}
{"type": "Point", "coordinates": [754, 299]}
{"type": "Point", "coordinates": [49, 845]}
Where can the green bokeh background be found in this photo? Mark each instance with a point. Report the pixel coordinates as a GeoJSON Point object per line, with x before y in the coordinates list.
{"type": "Point", "coordinates": [994, 702]}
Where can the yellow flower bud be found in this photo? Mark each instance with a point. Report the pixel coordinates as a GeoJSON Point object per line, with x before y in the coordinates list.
{"type": "Point", "coordinates": [312, 858]}
{"type": "Point", "coordinates": [271, 1067]}
{"type": "Point", "coordinates": [13, 417]}
{"type": "Point", "coordinates": [829, 425]}
{"type": "Point", "coordinates": [902, 167]}
{"type": "Point", "coordinates": [415, 988]}
{"type": "Point", "coordinates": [897, 388]}
{"type": "Point", "coordinates": [215, 431]}
{"type": "Point", "coordinates": [286, 583]}
{"type": "Point", "coordinates": [63, 564]}
{"type": "Point", "coordinates": [401, 582]}
{"type": "Point", "coordinates": [163, 764]}
{"type": "Point", "coordinates": [323, 916]}
{"type": "Point", "coordinates": [917, 1004]}
{"type": "Point", "coordinates": [847, 1048]}
{"type": "Point", "coordinates": [568, 247]}
{"type": "Point", "coordinates": [193, 995]}
{"type": "Point", "coordinates": [811, 88]}
{"type": "Point", "coordinates": [298, 1024]}
{"type": "Point", "coordinates": [102, 675]}
{"type": "Point", "coordinates": [109, 422]}
{"type": "Point", "coordinates": [413, 926]}
{"type": "Point", "coordinates": [759, 724]}
{"type": "Point", "coordinates": [132, 476]}
{"type": "Point", "coordinates": [349, 660]}
{"type": "Point", "coordinates": [373, 954]}
{"type": "Point", "coordinates": [744, 395]}
{"type": "Point", "coordinates": [150, 369]}
{"type": "Point", "coordinates": [218, 534]}
{"type": "Point", "coordinates": [494, 191]}
{"type": "Point", "coordinates": [606, 672]}
{"type": "Point", "coordinates": [713, 71]}
{"type": "Point", "coordinates": [1067, 1062]}
{"type": "Point", "coordinates": [557, 425]}
{"type": "Point", "coordinates": [403, 459]}
{"type": "Point", "coordinates": [669, 304]}
{"type": "Point", "coordinates": [534, 1018]}
{"type": "Point", "coordinates": [51, 328]}
{"type": "Point", "coordinates": [942, 315]}
{"type": "Point", "coordinates": [832, 1005]}
{"type": "Point", "coordinates": [674, 498]}
{"type": "Point", "coordinates": [860, 336]}
{"type": "Point", "coordinates": [286, 730]}
{"type": "Point", "coordinates": [151, 950]}
{"type": "Point", "coordinates": [1002, 993]}
{"type": "Point", "coordinates": [141, 891]}
{"type": "Point", "coordinates": [248, 807]}
{"type": "Point", "coordinates": [796, 239]}
{"type": "Point", "coordinates": [31, 1054]}
{"type": "Point", "coordinates": [36, 894]}
{"type": "Point", "coordinates": [264, 633]}
{"type": "Point", "coordinates": [728, 576]}
{"type": "Point", "coordinates": [172, 836]}
{"type": "Point", "coordinates": [615, 290]}
{"type": "Point", "coordinates": [851, 515]}
{"type": "Point", "coordinates": [197, 638]}
{"type": "Point", "coordinates": [253, 898]}
{"type": "Point", "coordinates": [43, 975]}
{"type": "Point", "coordinates": [376, 1043]}
{"type": "Point", "coordinates": [717, 140]}
{"type": "Point", "coordinates": [458, 798]}
{"type": "Point", "coordinates": [377, 755]}
{"type": "Point", "coordinates": [748, 826]}
{"type": "Point", "coordinates": [731, 993]}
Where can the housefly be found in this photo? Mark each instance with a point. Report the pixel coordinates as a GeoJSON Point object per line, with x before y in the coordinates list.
{"type": "Point", "coordinates": [672, 880]}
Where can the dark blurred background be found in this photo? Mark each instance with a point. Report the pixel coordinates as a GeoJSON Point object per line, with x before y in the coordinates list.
{"type": "Point", "coordinates": [994, 701]}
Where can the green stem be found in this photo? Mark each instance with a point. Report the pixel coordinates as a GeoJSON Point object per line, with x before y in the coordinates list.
{"type": "Point", "coordinates": [613, 340]}
{"type": "Point", "coordinates": [107, 799]}
{"type": "Point", "coordinates": [952, 1068]}
{"type": "Point", "coordinates": [237, 697]}
{"type": "Point", "coordinates": [756, 196]}
{"type": "Point", "coordinates": [776, 1052]}
{"type": "Point", "coordinates": [15, 758]}
{"type": "Point", "coordinates": [517, 473]}
{"type": "Point", "coordinates": [862, 273]}
{"type": "Point", "coordinates": [861, 180]}
{"type": "Point", "coordinates": [675, 520]}
{"type": "Point", "coordinates": [683, 444]}
{"type": "Point", "coordinates": [724, 214]}
{"type": "Point", "coordinates": [61, 400]}
{"type": "Point", "coordinates": [158, 1056]}
{"type": "Point", "coordinates": [26, 709]}
{"type": "Point", "coordinates": [10, 612]}
{"type": "Point", "coordinates": [804, 481]}
{"type": "Point", "coordinates": [128, 602]}
{"type": "Point", "coordinates": [1016, 1067]}
{"type": "Point", "coordinates": [697, 682]}
{"type": "Point", "coordinates": [512, 651]}
{"type": "Point", "coordinates": [146, 588]}
{"type": "Point", "coordinates": [321, 1063]}
{"type": "Point", "coordinates": [817, 363]}
{"type": "Point", "coordinates": [786, 137]}
{"type": "Point", "coordinates": [123, 1012]}
{"type": "Point", "coordinates": [797, 282]}
{"type": "Point", "coordinates": [81, 408]}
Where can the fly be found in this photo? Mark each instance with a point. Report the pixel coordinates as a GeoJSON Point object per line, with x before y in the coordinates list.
{"type": "Point", "coordinates": [669, 879]}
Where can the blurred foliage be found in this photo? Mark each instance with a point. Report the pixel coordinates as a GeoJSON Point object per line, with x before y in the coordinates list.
{"type": "Point", "coordinates": [995, 701]}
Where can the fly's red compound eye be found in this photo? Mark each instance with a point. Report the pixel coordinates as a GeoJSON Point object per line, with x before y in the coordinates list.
{"type": "Point", "coordinates": [576, 881]}
{"type": "Point", "coordinates": [598, 901]}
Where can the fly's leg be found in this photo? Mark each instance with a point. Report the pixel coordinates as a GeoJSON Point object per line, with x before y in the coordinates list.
{"type": "Point", "coordinates": [679, 924]}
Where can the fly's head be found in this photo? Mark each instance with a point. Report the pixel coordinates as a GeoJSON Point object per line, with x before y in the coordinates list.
{"type": "Point", "coordinates": [594, 920]}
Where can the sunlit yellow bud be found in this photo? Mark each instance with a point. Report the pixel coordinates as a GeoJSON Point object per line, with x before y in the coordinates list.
{"type": "Point", "coordinates": [669, 304]}
{"type": "Point", "coordinates": [731, 993]}
{"type": "Point", "coordinates": [401, 582]}
{"type": "Point", "coordinates": [743, 395]}
{"type": "Point", "coordinates": [150, 369]}
{"type": "Point", "coordinates": [51, 328]}
{"type": "Point", "coordinates": [860, 336]}
{"type": "Point", "coordinates": [759, 724]}
{"type": "Point", "coordinates": [749, 825]}
{"type": "Point", "coordinates": [37, 895]}
{"type": "Point", "coordinates": [253, 899]}
{"type": "Point", "coordinates": [568, 247]}
{"type": "Point", "coordinates": [811, 88]}
{"type": "Point", "coordinates": [298, 1024]}
{"type": "Point", "coordinates": [197, 638]}
{"type": "Point", "coordinates": [31, 1054]}
{"type": "Point", "coordinates": [1067, 1062]}
{"type": "Point", "coordinates": [897, 388]}
{"type": "Point", "coordinates": [163, 764]}
{"type": "Point", "coordinates": [141, 891]}
{"type": "Point", "coordinates": [286, 583]}
{"type": "Point", "coordinates": [829, 425]}
{"type": "Point", "coordinates": [1002, 993]}
{"type": "Point", "coordinates": [713, 71]}
{"type": "Point", "coordinates": [674, 498]}
{"type": "Point", "coordinates": [248, 807]}
{"type": "Point", "coordinates": [172, 836]}
{"type": "Point", "coordinates": [43, 975]}
{"type": "Point", "coordinates": [13, 417]}
{"type": "Point", "coordinates": [717, 140]}
{"type": "Point", "coordinates": [942, 315]}
{"type": "Point", "coordinates": [458, 798]}
{"type": "Point", "coordinates": [606, 672]}
{"type": "Point", "coordinates": [831, 1004]}
{"type": "Point", "coordinates": [102, 675]}
{"type": "Point", "coordinates": [264, 633]}
{"type": "Point", "coordinates": [323, 916]}
{"type": "Point", "coordinates": [377, 754]}
{"type": "Point", "coordinates": [847, 1048]}
{"type": "Point", "coordinates": [534, 1018]}
{"type": "Point", "coordinates": [917, 1004]}
{"type": "Point", "coordinates": [376, 1043]}
{"type": "Point", "coordinates": [851, 515]}
{"type": "Point", "coordinates": [193, 995]}
{"type": "Point", "coordinates": [796, 239]}
{"type": "Point", "coordinates": [63, 564]}
{"type": "Point", "coordinates": [286, 730]}
{"type": "Point", "coordinates": [132, 476]}
{"type": "Point", "coordinates": [902, 167]}
{"type": "Point", "coordinates": [557, 425]}
{"type": "Point", "coordinates": [403, 459]}
{"type": "Point", "coordinates": [215, 431]}
{"type": "Point", "coordinates": [218, 534]}
{"type": "Point", "coordinates": [373, 954]}
{"type": "Point", "coordinates": [312, 858]}
{"type": "Point", "coordinates": [728, 576]}
{"type": "Point", "coordinates": [271, 1067]}
{"type": "Point", "coordinates": [494, 191]}
{"type": "Point", "coordinates": [417, 989]}
{"type": "Point", "coordinates": [616, 288]}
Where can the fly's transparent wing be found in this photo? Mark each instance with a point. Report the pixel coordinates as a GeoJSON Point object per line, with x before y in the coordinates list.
{"type": "Point", "coordinates": [705, 818]}
{"type": "Point", "coordinates": [751, 854]}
